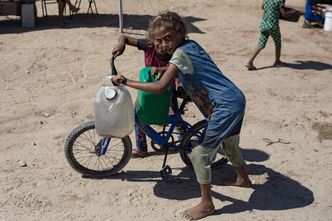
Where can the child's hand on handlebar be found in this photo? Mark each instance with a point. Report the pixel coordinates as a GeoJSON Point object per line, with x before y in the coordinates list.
{"type": "Point", "coordinates": [118, 49]}
{"type": "Point", "coordinates": [119, 79]}
{"type": "Point", "coordinates": [159, 71]}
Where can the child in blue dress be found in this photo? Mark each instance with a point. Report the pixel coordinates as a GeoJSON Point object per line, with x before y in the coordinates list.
{"type": "Point", "coordinates": [219, 100]}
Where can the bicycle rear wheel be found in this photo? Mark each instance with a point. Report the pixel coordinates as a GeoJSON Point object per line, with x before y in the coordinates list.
{"type": "Point", "coordinates": [83, 152]}
{"type": "Point", "coordinates": [193, 138]}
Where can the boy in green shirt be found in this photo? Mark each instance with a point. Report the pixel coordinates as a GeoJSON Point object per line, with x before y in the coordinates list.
{"type": "Point", "coordinates": [270, 26]}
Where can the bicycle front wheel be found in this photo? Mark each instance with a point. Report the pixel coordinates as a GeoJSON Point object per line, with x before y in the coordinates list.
{"type": "Point", "coordinates": [193, 138]}
{"type": "Point", "coordinates": [83, 152]}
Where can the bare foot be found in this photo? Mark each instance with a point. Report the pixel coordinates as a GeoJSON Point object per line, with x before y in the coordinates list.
{"type": "Point", "coordinates": [278, 64]}
{"type": "Point", "coordinates": [198, 212]}
{"type": "Point", "coordinates": [237, 182]}
{"type": "Point", "coordinates": [139, 154]}
{"type": "Point", "coordinates": [250, 66]}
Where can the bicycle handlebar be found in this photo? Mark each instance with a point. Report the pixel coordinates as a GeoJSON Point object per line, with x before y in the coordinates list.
{"type": "Point", "coordinates": [185, 100]}
{"type": "Point", "coordinates": [114, 71]}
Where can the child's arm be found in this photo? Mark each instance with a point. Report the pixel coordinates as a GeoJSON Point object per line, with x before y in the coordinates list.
{"type": "Point", "coordinates": [154, 87]}
{"type": "Point", "coordinates": [122, 42]}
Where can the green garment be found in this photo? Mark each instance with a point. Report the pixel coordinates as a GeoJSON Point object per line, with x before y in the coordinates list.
{"type": "Point", "coordinates": [271, 14]}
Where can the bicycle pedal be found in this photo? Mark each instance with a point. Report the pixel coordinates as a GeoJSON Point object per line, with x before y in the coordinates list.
{"type": "Point", "coordinates": [165, 172]}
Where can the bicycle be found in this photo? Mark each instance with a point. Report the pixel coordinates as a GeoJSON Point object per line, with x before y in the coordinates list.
{"type": "Point", "coordinates": [95, 156]}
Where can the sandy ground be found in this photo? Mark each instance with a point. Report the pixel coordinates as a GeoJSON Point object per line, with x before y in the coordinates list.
{"type": "Point", "coordinates": [49, 76]}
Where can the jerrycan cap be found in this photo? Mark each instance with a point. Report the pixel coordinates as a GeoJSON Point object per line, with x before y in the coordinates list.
{"type": "Point", "coordinates": [110, 93]}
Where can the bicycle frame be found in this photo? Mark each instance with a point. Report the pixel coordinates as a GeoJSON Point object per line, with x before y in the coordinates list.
{"type": "Point", "coordinates": [173, 120]}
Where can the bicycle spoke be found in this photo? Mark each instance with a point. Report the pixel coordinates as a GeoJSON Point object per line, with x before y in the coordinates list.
{"type": "Point", "coordinates": [87, 138]}
{"type": "Point", "coordinates": [107, 166]}
{"type": "Point", "coordinates": [81, 145]}
{"type": "Point", "coordinates": [87, 160]}
{"type": "Point", "coordinates": [108, 158]}
{"type": "Point", "coordinates": [112, 160]}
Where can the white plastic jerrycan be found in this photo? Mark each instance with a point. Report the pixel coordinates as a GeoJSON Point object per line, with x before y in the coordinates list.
{"type": "Point", "coordinates": [114, 111]}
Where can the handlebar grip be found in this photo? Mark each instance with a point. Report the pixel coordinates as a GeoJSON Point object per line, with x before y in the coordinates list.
{"type": "Point", "coordinates": [120, 82]}
{"type": "Point", "coordinates": [114, 71]}
{"type": "Point", "coordinates": [113, 82]}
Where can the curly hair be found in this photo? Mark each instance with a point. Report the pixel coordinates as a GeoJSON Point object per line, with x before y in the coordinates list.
{"type": "Point", "coordinates": [169, 20]}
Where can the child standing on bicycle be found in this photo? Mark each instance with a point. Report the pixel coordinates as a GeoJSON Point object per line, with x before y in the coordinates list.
{"type": "Point", "coordinates": [220, 101]}
{"type": "Point", "coordinates": [153, 57]}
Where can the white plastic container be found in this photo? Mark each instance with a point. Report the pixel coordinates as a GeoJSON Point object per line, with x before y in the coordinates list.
{"type": "Point", "coordinates": [28, 15]}
{"type": "Point", "coordinates": [328, 21]}
{"type": "Point", "coordinates": [114, 112]}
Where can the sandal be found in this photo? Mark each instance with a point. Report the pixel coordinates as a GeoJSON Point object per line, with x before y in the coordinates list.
{"type": "Point", "coordinates": [306, 25]}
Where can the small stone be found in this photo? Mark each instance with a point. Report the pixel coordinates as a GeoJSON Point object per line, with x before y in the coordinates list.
{"type": "Point", "coordinates": [89, 116]}
{"type": "Point", "coordinates": [46, 114]}
{"type": "Point", "coordinates": [34, 144]}
{"type": "Point", "coordinates": [27, 72]}
{"type": "Point", "coordinates": [21, 163]}
{"type": "Point", "coordinates": [41, 122]}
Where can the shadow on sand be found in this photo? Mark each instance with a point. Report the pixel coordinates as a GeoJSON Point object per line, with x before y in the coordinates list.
{"type": "Point", "coordinates": [303, 65]}
{"type": "Point", "coordinates": [132, 22]}
{"type": "Point", "coordinates": [278, 192]}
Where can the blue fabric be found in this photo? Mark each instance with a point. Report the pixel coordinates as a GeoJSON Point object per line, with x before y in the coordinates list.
{"type": "Point", "coordinates": [219, 100]}
{"type": "Point", "coordinates": [140, 136]}
{"type": "Point", "coordinates": [309, 14]}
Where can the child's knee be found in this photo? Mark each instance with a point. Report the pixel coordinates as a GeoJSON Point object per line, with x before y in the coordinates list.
{"type": "Point", "coordinates": [232, 150]}
{"type": "Point", "coordinates": [197, 156]}
{"type": "Point", "coordinates": [200, 159]}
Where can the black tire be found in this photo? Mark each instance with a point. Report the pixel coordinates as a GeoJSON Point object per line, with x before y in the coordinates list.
{"type": "Point", "coordinates": [192, 138]}
{"type": "Point", "coordinates": [81, 152]}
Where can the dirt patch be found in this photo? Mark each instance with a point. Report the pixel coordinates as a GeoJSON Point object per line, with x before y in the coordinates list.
{"type": "Point", "coordinates": [324, 130]}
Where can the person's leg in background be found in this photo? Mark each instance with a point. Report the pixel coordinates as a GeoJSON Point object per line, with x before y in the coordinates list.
{"type": "Point", "coordinates": [71, 6]}
{"type": "Point", "coordinates": [61, 5]}
{"type": "Point", "coordinates": [261, 44]}
{"type": "Point", "coordinates": [276, 36]}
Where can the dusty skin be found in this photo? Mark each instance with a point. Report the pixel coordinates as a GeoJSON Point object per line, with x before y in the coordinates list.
{"type": "Point", "coordinates": [49, 77]}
